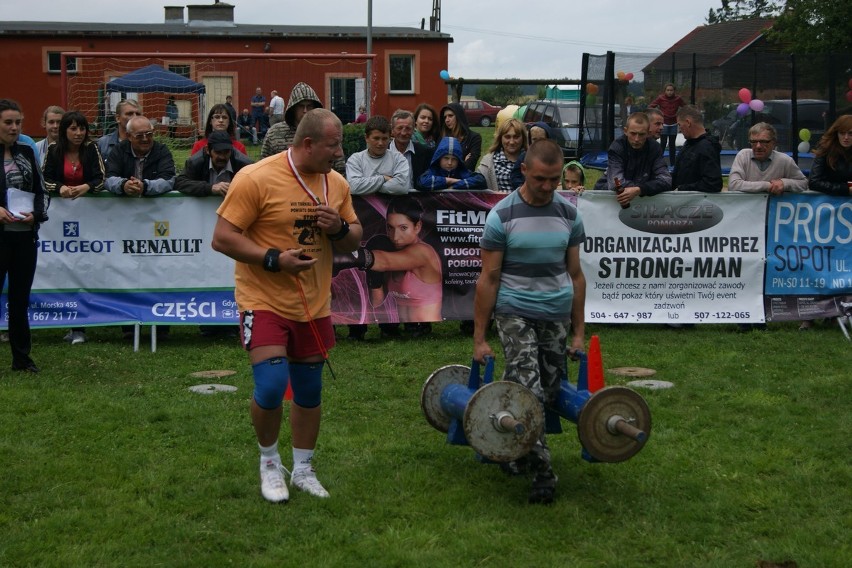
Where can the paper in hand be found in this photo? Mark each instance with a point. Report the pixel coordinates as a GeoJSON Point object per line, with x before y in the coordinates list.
{"type": "Point", "coordinates": [19, 202]}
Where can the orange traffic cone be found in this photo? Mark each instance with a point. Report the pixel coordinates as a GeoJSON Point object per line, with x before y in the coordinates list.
{"type": "Point", "coordinates": [595, 368]}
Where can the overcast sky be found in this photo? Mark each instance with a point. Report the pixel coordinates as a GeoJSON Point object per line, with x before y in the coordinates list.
{"type": "Point", "coordinates": [492, 38]}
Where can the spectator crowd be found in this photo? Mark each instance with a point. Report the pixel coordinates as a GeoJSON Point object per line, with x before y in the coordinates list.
{"type": "Point", "coordinates": [423, 149]}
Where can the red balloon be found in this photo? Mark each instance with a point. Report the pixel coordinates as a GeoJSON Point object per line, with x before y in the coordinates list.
{"type": "Point", "coordinates": [849, 96]}
{"type": "Point", "coordinates": [629, 76]}
{"type": "Point", "coordinates": [745, 95]}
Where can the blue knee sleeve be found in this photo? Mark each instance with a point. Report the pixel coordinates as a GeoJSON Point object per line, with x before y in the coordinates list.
{"type": "Point", "coordinates": [307, 384]}
{"type": "Point", "coordinates": [270, 382]}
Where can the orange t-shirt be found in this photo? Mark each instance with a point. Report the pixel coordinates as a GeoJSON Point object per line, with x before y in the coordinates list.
{"type": "Point", "coordinates": [266, 201]}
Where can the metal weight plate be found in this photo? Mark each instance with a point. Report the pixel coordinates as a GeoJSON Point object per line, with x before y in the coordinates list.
{"type": "Point", "coordinates": [430, 396]}
{"type": "Point", "coordinates": [486, 438]}
{"type": "Point", "coordinates": [592, 429]}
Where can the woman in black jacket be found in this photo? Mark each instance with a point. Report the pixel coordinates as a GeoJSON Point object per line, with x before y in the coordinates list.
{"type": "Point", "coordinates": [19, 222]}
{"type": "Point", "coordinates": [72, 168]}
{"type": "Point", "coordinates": [454, 123]}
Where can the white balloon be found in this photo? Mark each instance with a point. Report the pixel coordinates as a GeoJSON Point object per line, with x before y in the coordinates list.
{"type": "Point", "coordinates": [804, 147]}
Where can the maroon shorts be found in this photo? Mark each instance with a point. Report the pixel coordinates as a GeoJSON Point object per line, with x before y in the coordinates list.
{"type": "Point", "coordinates": [260, 328]}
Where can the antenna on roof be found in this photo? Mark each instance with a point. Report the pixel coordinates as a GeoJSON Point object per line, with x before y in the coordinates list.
{"type": "Point", "coordinates": [435, 20]}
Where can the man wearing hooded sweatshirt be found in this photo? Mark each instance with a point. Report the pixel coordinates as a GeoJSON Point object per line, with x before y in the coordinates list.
{"type": "Point", "coordinates": [280, 136]}
{"type": "Point", "coordinates": [454, 123]}
{"type": "Point", "coordinates": [698, 166]}
{"type": "Point", "coordinates": [448, 170]}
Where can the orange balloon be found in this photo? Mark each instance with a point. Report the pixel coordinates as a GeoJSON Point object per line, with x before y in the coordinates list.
{"type": "Point", "coordinates": [592, 89]}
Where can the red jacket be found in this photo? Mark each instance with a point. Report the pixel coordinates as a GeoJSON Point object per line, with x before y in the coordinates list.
{"type": "Point", "coordinates": [668, 106]}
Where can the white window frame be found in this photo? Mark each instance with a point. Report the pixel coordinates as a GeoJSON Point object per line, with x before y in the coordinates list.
{"type": "Point", "coordinates": [411, 57]}
{"type": "Point", "coordinates": [57, 52]}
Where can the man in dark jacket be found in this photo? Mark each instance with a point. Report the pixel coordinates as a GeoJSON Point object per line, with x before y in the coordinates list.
{"type": "Point", "coordinates": [140, 166]}
{"type": "Point", "coordinates": [210, 172]}
{"type": "Point", "coordinates": [637, 162]}
{"type": "Point", "coordinates": [698, 166]}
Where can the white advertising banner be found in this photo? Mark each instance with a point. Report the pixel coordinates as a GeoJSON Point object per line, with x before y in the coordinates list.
{"type": "Point", "coordinates": [106, 259]}
{"type": "Point", "coordinates": [674, 258]}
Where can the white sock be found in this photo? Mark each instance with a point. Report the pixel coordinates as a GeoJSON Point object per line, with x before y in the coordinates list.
{"type": "Point", "coordinates": [302, 459]}
{"type": "Point", "coordinates": [269, 453]}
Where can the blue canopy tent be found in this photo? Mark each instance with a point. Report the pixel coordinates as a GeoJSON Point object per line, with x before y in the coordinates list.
{"type": "Point", "coordinates": [155, 79]}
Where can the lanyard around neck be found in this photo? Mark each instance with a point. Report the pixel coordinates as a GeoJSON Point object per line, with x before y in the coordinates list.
{"type": "Point", "coordinates": [304, 185]}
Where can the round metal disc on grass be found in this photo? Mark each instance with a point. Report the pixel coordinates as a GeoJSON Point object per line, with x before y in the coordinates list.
{"type": "Point", "coordinates": [217, 374]}
{"type": "Point", "coordinates": [651, 384]}
{"type": "Point", "coordinates": [632, 372]}
{"type": "Point", "coordinates": [212, 389]}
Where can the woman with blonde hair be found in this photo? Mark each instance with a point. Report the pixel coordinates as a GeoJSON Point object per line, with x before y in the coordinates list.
{"type": "Point", "coordinates": [510, 141]}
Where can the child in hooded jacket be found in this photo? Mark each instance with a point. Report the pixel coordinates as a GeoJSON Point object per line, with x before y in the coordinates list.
{"type": "Point", "coordinates": [448, 170]}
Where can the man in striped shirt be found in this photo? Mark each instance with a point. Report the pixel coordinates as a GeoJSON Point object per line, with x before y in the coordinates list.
{"type": "Point", "coordinates": [532, 284]}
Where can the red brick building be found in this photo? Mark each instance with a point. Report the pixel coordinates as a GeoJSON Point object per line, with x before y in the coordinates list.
{"type": "Point", "coordinates": [405, 70]}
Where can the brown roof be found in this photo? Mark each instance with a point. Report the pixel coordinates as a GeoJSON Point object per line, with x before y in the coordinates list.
{"type": "Point", "coordinates": [720, 41]}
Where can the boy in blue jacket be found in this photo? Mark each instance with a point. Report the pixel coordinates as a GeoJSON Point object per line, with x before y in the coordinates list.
{"type": "Point", "coordinates": [448, 171]}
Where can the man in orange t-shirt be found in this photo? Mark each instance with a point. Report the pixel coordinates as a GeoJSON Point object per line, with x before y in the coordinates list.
{"type": "Point", "coordinates": [282, 220]}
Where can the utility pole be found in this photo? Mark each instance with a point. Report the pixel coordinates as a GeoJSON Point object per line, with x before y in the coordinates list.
{"type": "Point", "coordinates": [435, 20]}
{"type": "Point", "coordinates": [369, 82]}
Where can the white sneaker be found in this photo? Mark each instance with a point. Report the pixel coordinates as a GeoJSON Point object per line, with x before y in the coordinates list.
{"type": "Point", "coordinates": [273, 486]}
{"type": "Point", "coordinates": [78, 337]}
{"type": "Point", "coordinates": [306, 480]}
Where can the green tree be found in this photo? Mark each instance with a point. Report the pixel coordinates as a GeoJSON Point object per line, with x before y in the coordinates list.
{"type": "Point", "coordinates": [486, 93]}
{"type": "Point", "coordinates": [814, 26]}
{"type": "Point", "coordinates": [507, 95]}
{"type": "Point", "coordinates": [734, 10]}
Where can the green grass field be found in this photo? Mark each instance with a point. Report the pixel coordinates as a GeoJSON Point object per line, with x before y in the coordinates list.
{"type": "Point", "coordinates": [109, 460]}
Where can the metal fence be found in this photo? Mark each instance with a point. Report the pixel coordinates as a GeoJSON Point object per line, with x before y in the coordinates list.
{"type": "Point", "coordinates": [792, 91]}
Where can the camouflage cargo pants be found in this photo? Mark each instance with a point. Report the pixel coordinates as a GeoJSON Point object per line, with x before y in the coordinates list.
{"type": "Point", "coordinates": [535, 352]}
